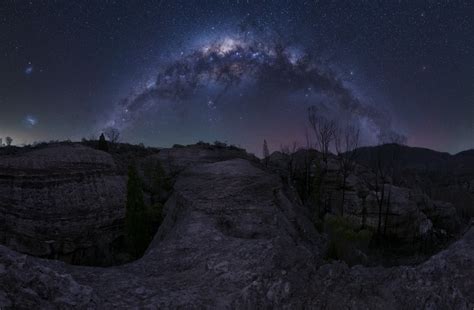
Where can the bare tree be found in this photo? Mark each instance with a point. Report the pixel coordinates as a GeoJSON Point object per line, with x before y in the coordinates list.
{"type": "Point", "coordinates": [385, 166]}
{"type": "Point", "coordinates": [8, 140]}
{"type": "Point", "coordinates": [290, 158]}
{"type": "Point", "coordinates": [305, 187]}
{"type": "Point", "coordinates": [376, 184]}
{"type": "Point", "coordinates": [266, 152]}
{"type": "Point", "coordinates": [393, 170]}
{"type": "Point", "coordinates": [324, 130]}
{"type": "Point", "coordinates": [346, 141]}
{"type": "Point", "coordinates": [112, 134]}
{"type": "Point", "coordinates": [307, 138]}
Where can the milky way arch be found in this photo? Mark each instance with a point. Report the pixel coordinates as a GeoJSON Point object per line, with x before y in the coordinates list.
{"type": "Point", "coordinates": [229, 62]}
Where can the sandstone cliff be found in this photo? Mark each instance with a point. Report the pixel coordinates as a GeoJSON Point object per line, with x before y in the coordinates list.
{"type": "Point", "coordinates": [64, 202]}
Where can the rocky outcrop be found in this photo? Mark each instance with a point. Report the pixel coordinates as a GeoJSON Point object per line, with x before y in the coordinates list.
{"type": "Point", "coordinates": [177, 159]}
{"type": "Point", "coordinates": [406, 214]}
{"type": "Point", "coordinates": [233, 237]}
{"type": "Point", "coordinates": [442, 176]}
{"type": "Point", "coordinates": [65, 202]}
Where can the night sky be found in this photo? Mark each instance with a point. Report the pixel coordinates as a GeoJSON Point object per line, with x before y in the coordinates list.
{"type": "Point", "coordinates": [166, 72]}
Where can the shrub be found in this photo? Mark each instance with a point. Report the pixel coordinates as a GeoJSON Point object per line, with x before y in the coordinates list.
{"type": "Point", "coordinates": [346, 241]}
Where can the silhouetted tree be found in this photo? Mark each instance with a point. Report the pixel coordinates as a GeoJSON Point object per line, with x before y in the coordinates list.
{"type": "Point", "coordinates": [306, 190]}
{"type": "Point", "coordinates": [103, 145]}
{"type": "Point", "coordinates": [387, 169]}
{"type": "Point", "coordinates": [135, 219]}
{"type": "Point", "coordinates": [393, 170]}
{"type": "Point", "coordinates": [324, 130]}
{"type": "Point", "coordinates": [266, 152]}
{"type": "Point", "coordinates": [113, 134]}
{"type": "Point", "coordinates": [384, 168]}
{"type": "Point", "coordinates": [290, 159]}
{"type": "Point", "coordinates": [346, 141]}
{"type": "Point", "coordinates": [8, 140]}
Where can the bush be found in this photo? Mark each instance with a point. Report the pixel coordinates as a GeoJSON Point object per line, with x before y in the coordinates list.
{"type": "Point", "coordinates": [346, 241]}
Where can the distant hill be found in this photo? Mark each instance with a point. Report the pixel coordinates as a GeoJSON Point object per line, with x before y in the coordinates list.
{"type": "Point", "coordinates": [420, 159]}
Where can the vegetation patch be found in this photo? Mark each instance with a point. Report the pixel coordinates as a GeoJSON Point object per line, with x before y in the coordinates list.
{"type": "Point", "coordinates": [346, 241]}
{"type": "Point", "coordinates": [142, 221]}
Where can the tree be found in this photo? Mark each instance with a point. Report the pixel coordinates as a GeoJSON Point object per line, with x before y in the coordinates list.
{"type": "Point", "coordinates": [393, 170]}
{"type": "Point", "coordinates": [290, 159]}
{"type": "Point", "coordinates": [1, 142]}
{"type": "Point", "coordinates": [135, 218]}
{"type": "Point", "coordinates": [380, 183]}
{"type": "Point", "coordinates": [103, 145]}
{"type": "Point", "coordinates": [266, 152]}
{"type": "Point", "coordinates": [305, 182]}
{"type": "Point", "coordinates": [324, 130]}
{"type": "Point", "coordinates": [346, 141]}
{"type": "Point", "coordinates": [8, 140]}
{"type": "Point", "coordinates": [113, 134]}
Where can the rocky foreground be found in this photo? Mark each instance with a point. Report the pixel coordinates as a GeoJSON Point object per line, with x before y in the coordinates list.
{"type": "Point", "coordinates": [235, 237]}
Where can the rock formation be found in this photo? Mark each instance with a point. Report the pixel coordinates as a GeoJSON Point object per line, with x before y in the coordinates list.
{"type": "Point", "coordinates": [235, 237]}
{"type": "Point", "coordinates": [64, 202]}
{"type": "Point", "coordinates": [408, 214]}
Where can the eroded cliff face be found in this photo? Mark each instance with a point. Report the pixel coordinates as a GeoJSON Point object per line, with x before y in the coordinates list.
{"type": "Point", "coordinates": [234, 237]}
{"type": "Point", "coordinates": [65, 202]}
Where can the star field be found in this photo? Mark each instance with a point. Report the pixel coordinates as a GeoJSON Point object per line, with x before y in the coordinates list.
{"type": "Point", "coordinates": [168, 72]}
